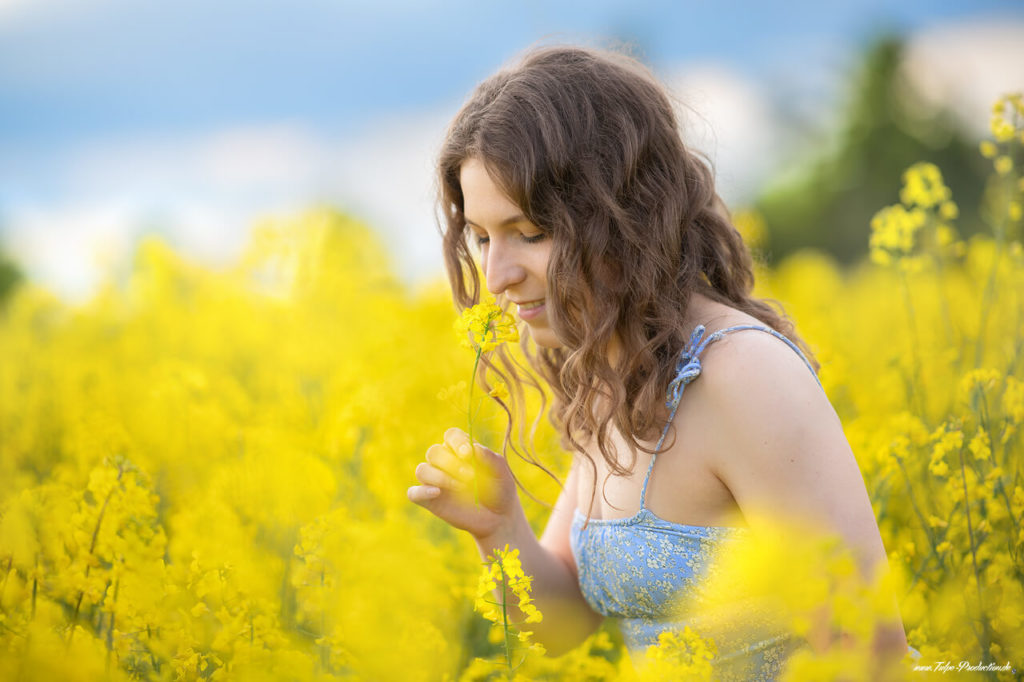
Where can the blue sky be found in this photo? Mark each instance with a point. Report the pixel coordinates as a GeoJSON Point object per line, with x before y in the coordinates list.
{"type": "Point", "coordinates": [80, 68]}
{"type": "Point", "coordinates": [108, 106]}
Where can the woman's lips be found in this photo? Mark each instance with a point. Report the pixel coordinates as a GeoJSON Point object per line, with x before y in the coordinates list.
{"type": "Point", "coordinates": [530, 309]}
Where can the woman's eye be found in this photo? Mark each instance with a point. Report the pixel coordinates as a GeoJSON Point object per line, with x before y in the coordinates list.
{"type": "Point", "coordinates": [480, 241]}
{"type": "Point", "coordinates": [534, 238]}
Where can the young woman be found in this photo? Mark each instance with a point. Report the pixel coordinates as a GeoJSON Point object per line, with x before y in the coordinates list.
{"type": "Point", "coordinates": [604, 233]}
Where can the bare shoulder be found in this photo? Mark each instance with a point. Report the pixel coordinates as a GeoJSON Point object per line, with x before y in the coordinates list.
{"type": "Point", "coordinates": [751, 364]}
{"type": "Point", "coordinates": [756, 391]}
{"type": "Point", "coordinates": [777, 440]}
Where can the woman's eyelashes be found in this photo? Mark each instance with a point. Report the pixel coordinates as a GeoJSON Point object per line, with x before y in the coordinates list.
{"type": "Point", "coordinates": [528, 238]}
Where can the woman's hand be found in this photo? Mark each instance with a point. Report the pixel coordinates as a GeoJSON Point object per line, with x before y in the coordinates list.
{"type": "Point", "coordinates": [469, 488]}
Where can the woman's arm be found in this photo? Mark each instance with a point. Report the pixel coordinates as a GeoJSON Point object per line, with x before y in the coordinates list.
{"type": "Point", "coordinates": [498, 520]}
{"type": "Point", "coordinates": [780, 448]}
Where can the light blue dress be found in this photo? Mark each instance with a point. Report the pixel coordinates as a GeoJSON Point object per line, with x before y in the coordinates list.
{"type": "Point", "coordinates": [637, 570]}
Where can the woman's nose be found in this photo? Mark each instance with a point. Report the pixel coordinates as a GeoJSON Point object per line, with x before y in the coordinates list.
{"type": "Point", "coordinates": [503, 269]}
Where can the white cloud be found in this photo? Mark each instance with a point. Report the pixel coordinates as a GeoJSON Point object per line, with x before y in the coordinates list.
{"type": "Point", "coordinates": [725, 116]}
{"type": "Point", "coordinates": [268, 161]}
{"type": "Point", "coordinates": [386, 176]}
{"type": "Point", "coordinates": [204, 192]}
{"type": "Point", "coordinates": [965, 66]}
{"type": "Point", "coordinates": [69, 248]}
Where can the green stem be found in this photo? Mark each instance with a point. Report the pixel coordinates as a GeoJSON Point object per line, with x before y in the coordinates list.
{"type": "Point", "coordinates": [92, 549]}
{"type": "Point", "coordinates": [917, 383]}
{"type": "Point", "coordinates": [983, 639]}
{"type": "Point", "coordinates": [999, 229]}
{"type": "Point", "coordinates": [504, 616]}
{"type": "Point", "coordinates": [3, 586]}
{"type": "Point", "coordinates": [946, 316]}
{"type": "Point", "coordinates": [983, 413]}
{"type": "Point", "coordinates": [113, 621]}
{"type": "Point", "coordinates": [325, 653]}
{"type": "Point", "coordinates": [916, 508]}
{"type": "Point", "coordinates": [472, 383]}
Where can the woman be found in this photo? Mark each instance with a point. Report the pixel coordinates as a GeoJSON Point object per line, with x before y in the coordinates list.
{"type": "Point", "coordinates": [605, 233]}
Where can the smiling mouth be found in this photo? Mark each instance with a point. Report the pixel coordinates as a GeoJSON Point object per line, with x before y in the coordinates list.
{"type": "Point", "coordinates": [531, 305]}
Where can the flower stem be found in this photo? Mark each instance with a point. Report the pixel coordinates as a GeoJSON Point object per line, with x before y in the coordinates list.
{"type": "Point", "coordinates": [999, 229]}
{"type": "Point", "coordinates": [917, 381]}
{"type": "Point", "coordinates": [504, 615]}
{"type": "Point", "coordinates": [984, 638]}
{"type": "Point", "coordinates": [472, 383]}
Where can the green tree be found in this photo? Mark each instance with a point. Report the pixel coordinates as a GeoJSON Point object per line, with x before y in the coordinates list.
{"type": "Point", "coordinates": [829, 203]}
{"type": "Point", "coordinates": [10, 277]}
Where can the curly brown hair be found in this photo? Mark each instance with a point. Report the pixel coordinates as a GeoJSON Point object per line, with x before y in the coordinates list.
{"type": "Point", "coordinates": [586, 143]}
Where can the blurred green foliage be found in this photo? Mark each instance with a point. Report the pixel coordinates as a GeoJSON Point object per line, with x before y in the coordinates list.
{"type": "Point", "coordinates": [886, 127]}
{"type": "Point", "coordinates": [10, 276]}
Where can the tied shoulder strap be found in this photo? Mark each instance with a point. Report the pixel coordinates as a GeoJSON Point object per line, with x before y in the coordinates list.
{"type": "Point", "coordinates": [688, 368]}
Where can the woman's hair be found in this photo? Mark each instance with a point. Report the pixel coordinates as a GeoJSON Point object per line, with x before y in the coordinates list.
{"type": "Point", "coordinates": [586, 143]}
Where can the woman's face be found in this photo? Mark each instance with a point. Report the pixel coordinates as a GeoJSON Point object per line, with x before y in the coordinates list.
{"type": "Point", "coordinates": [514, 252]}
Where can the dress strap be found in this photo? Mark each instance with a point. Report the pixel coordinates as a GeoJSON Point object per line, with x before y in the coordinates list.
{"type": "Point", "coordinates": [688, 368]}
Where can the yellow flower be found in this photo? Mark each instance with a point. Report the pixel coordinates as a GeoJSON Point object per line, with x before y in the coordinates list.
{"type": "Point", "coordinates": [1003, 164]}
{"type": "Point", "coordinates": [945, 235]}
{"type": "Point", "coordinates": [1013, 400]}
{"type": "Point", "coordinates": [976, 382]}
{"type": "Point", "coordinates": [751, 227]}
{"type": "Point", "coordinates": [503, 568]}
{"type": "Point", "coordinates": [923, 185]}
{"type": "Point", "coordinates": [979, 445]}
{"type": "Point", "coordinates": [937, 466]}
{"type": "Point", "coordinates": [487, 326]}
{"type": "Point", "coordinates": [892, 232]}
{"type": "Point", "coordinates": [500, 391]}
{"type": "Point", "coordinates": [1002, 130]}
{"type": "Point", "coordinates": [988, 149]}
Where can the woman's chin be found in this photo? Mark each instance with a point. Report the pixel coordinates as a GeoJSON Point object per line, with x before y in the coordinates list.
{"type": "Point", "coordinates": [545, 338]}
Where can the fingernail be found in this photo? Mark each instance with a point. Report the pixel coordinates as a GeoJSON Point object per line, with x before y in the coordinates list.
{"type": "Point", "coordinates": [465, 450]}
{"type": "Point", "coordinates": [431, 491]}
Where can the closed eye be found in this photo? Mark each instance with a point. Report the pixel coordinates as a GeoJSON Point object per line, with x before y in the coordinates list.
{"type": "Point", "coordinates": [481, 239]}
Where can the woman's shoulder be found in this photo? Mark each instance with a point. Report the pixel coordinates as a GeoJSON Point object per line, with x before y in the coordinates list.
{"type": "Point", "coordinates": [756, 396]}
{"type": "Point", "coordinates": [746, 373]}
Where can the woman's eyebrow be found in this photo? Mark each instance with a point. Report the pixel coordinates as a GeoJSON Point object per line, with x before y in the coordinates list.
{"type": "Point", "coordinates": [517, 218]}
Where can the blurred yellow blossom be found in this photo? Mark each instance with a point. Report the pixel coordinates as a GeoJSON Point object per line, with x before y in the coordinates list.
{"type": "Point", "coordinates": [500, 391]}
{"type": "Point", "coordinates": [923, 186]}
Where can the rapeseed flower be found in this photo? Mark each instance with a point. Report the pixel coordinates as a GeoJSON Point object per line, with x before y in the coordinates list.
{"type": "Point", "coordinates": [246, 496]}
{"type": "Point", "coordinates": [486, 327]}
{"type": "Point", "coordinates": [923, 186]}
{"type": "Point", "coordinates": [504, 571]}
{"type": "Point", "coordinates": [500, 391]}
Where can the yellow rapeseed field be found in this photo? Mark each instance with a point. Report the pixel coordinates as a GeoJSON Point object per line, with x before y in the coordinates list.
{"type": "Point", "coordinates": [203, 473]}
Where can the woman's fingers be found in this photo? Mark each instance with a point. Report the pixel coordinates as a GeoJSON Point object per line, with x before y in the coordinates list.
{"type": "Point", "coordinates": [458, 441]}
{"type": "Point", "coordinates": [442, 458]}
{"type": "Point", "coordinates": [423, 494]}
{"type": "Point", "coordinates": [459, 444]}
{"type": "Point", "coordinates": [432, 476]}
